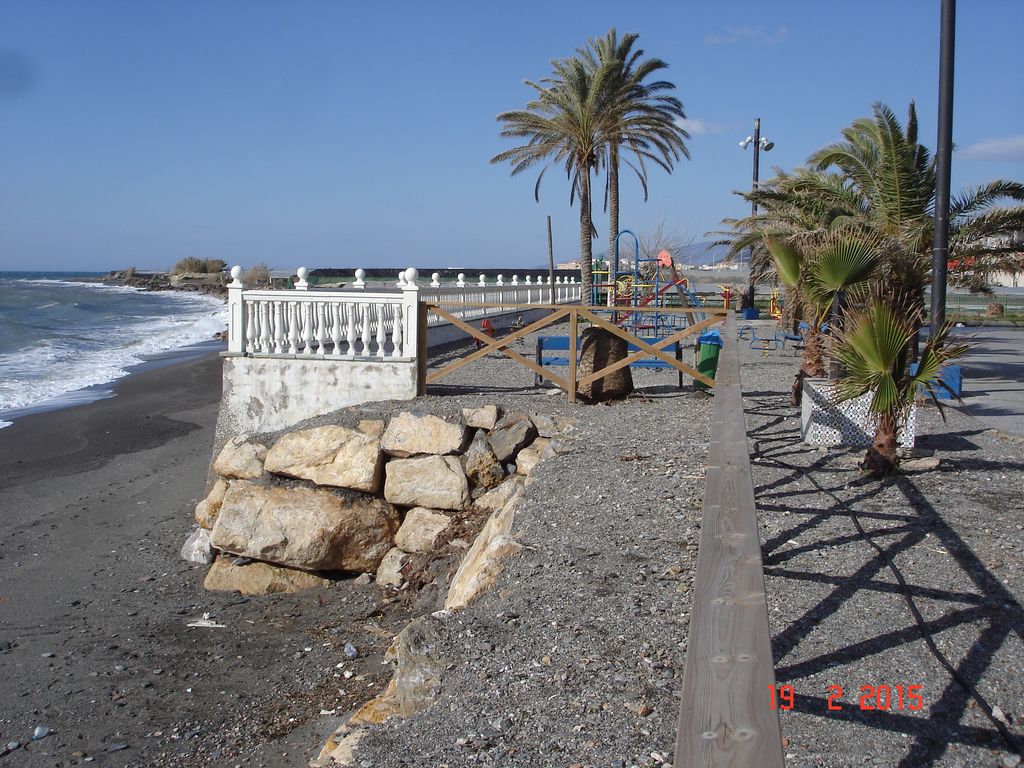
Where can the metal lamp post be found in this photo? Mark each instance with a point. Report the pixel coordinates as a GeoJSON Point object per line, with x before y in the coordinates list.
{"type": "Point", "coordinates": [759, 142]}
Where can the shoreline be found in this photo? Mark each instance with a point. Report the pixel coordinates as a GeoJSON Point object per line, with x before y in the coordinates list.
{"type": "Point", "coordinates": [109, 389]}
{"type": "Point", "coordinates": [126, 415]}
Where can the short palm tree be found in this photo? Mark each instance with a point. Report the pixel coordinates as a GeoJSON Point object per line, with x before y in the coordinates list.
{"type": "Point", "coordinates": [563, 126]}
{"type": "Point", "coordinates": [875, 351]}
{"type": "Point", "coordinates": [639, 117]}
{"type": "Point", "coordinates": [824, 278]}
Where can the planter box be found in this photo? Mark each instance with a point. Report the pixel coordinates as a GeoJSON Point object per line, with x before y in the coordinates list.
{"type": "Point", "coordinates": [824, 422]}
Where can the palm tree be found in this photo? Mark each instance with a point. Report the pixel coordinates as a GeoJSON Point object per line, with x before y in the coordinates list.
{"type": "Point", "coordinates": [640, 117]}
{"type": "Point", "coordinates": [824, 278]}
{"type": "Point", "coordinates": [889, 189]}
{"type": "Point", "coordinates": [874, 349]}
{"type": "Point", "coordinates": [563, 125]}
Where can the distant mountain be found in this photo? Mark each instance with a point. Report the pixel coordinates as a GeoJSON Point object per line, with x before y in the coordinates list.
{"type": "Point", "coordinates": [698, 254]}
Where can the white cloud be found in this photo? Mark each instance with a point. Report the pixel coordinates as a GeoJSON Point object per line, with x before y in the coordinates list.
{"type": "Point", "coordinates": [1010, 149]}
{"type": "Point", "coordinates": [733, 35]}
{"type": "Point", "coordinates": [696, 127]}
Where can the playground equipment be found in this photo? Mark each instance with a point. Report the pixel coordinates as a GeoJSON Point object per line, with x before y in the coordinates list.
{"type": "Point", "coordinates": [726, 297]}
{"type": "Point", "coordinates": [642, 287]}
{"type": "Point", "coordinates": [775, 305]}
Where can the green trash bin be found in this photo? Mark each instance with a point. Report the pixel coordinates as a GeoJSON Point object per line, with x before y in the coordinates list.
{"type": "Point", "coordinates": [709, 347]}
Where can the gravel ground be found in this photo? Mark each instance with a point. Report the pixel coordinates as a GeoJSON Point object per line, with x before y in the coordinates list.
{"type": "Point", "coordinates": [575, 657]}
{"type": "Point", "coordinates": [837, 611]}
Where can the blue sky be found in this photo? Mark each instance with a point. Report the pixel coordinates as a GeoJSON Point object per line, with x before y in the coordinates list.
{"type": "Point", "coordinates": [359, 134]}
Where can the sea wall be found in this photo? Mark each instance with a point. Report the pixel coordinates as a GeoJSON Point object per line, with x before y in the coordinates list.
{"type": "Point", "coordinates": [264, 394]}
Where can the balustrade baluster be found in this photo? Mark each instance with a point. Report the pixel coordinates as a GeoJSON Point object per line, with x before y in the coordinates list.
{"type": "Point", "coordinates": [279, 337]}
{"type": "Point", "coordinates": [293, 327]}
{"type": "Point", "coordinates": [250, 327]}
{"type": "Point", "coordinates": [350, 333]}
{"type": "Point", "coordinates": [365, 313]}
{"type": "Point", "coordinates": [306, 311]}
{"type": "Point", "coordinates": [321, 328]}
{"type": "Point", "coordinates": [397, 332]}
{"type": "Point", "coordinates": [381, 333]}
{"type": "Point", "coordinates": [336, 326]}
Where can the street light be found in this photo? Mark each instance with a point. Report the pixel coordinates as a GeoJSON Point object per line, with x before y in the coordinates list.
{"type": "Point", "coordinates": [760, 143]}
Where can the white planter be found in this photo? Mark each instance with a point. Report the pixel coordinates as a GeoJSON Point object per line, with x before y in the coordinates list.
{"type": "Point", "coordinates": [824, 422]}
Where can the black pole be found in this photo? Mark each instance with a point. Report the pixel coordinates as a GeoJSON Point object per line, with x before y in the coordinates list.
{"type": "Point", "coordinates": [748, 299]}
{"type": "Point", "coordinates": [757, 155]}
{"type": "Point", "coordinates": [943, 161]}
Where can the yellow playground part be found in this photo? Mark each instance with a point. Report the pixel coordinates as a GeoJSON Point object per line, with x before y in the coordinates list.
{"type": "Point", "coordinates": [775, 305]}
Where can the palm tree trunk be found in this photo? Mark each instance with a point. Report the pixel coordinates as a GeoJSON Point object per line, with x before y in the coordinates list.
{"type": "Point", "coordinates": [586, 237]}
{"type": "Point", "coordinates": [613, 200]}
{"type": "Point", "coordinates": [813, 363]}
{"type": "Point", "coordinates": [881, 458]}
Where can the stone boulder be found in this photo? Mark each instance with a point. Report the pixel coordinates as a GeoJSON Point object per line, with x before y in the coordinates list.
{"type": "Point", "coordinates": [420, 529]}
{"type": "Point", "coordinates": [315, 530]}
{"type": "Point", "coordinates": [598, 349]}
{"type": "Point", "coordinates": [417, 679]}
{"type": "Point", "coordinates": [514, 431]}
{"type": "Point", "coordinates": [258, 578]}
{"type": "Point", "coordinates": [208, 509]}
{"type": "Point", "coordinates": [482, 565]}
{"type": "Point", "coordinates": [330, 455]}
{"type": "Point", "coordinates": [389, 574]}
{"type": "Point", "coordinates": [531, 455]}
{"type": "Point", "coordinates": [484, 417]}
{"type": "Point", "coordinates": [408, 434]}
{"type": "Point", "coordinates": [496, 498]}
{"type": "Point", "coordinates": [241, 458]}
{"type": "Point", "coordinates": [552, 426]}
{"type": "Point", "coordinates": [481, 465]}
{"type": "Point", "coordinates": [437, 482]}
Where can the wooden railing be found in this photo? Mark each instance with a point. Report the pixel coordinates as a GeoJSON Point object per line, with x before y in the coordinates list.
{"type": "Point", "coordinates": [596, 316]}
{"type": "Point", "coordinates": [727, 717]}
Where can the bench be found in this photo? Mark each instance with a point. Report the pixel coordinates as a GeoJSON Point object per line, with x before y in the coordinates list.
{"type": "Point", "coordinates": [553, 350]}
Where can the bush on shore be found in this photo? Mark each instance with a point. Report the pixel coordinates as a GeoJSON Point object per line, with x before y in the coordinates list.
{"type": "Point", "coordinates": [193, 265]}
{"type": "Point", "coordinates": [257, 275]}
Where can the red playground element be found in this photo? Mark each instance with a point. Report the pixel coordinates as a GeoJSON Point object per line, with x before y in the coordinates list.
{"type": "Point", "coordinates": [726, 296]}
{"type": "Point", "coordinates": [487, 328]}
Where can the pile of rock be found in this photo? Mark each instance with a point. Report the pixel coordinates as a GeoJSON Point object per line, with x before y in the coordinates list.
{"type": "Point", "coordinates": [334, 499]}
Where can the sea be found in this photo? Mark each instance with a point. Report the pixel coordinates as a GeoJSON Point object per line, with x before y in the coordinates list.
{"type": "Point", "coordinates": [63, 339]}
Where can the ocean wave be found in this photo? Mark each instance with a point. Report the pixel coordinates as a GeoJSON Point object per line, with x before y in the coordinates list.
{"type": "Point", "coordinates": [55, 367]}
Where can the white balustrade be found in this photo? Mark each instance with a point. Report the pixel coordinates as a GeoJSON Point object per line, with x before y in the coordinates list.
{"type": "Point", "coordinates": [356, 323]}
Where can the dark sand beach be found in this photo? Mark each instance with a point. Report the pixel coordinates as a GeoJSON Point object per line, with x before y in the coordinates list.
{"type": "Point", "coordinates": [95, 501]}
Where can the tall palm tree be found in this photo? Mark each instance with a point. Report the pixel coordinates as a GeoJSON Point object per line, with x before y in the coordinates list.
{"type": "Point", "coordinates": [640, 117]}
{"type": "Point", "coordinates": [563, 125]}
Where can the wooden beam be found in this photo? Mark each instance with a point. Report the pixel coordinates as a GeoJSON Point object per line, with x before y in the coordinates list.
{"type": "Point", "coordinates": [726, 719]}
{"type": "Point", "coordinates": [497, 345]}
{"type": "Point", "coordinates": [620, 308]}
{"type": "Point", "coordinates": [571, 378]}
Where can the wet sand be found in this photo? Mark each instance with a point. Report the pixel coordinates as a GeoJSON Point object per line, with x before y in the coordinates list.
{"type": "Point", "coordinates": [95, 502]}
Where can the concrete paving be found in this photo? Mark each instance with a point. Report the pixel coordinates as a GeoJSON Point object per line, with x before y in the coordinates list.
{"type": "Point", "coordinates": [993, 389]}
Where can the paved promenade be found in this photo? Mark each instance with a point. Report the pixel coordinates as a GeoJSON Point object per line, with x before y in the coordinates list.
{"type": "Point", "coordinates": [994, 378]}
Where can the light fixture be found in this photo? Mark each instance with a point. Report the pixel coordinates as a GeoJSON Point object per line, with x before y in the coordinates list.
{"type": "Point", "coordinates": [762, 144]}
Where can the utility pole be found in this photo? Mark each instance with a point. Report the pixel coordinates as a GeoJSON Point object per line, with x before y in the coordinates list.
{"type": "Point", "coordinates": [943, 161]}
{"type": "Point", "coordinates": [551, 264]}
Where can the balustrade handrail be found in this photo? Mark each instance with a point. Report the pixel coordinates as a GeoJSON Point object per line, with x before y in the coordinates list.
{"type": "Point", "coordinates": [355, 323]}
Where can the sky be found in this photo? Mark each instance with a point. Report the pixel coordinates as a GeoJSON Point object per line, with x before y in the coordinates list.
{"type": "Point", "coordinates": [344, 134]}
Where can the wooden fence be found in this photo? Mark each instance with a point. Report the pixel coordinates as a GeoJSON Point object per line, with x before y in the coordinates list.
{"type": "Point", "coordinates": [572, 314]}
